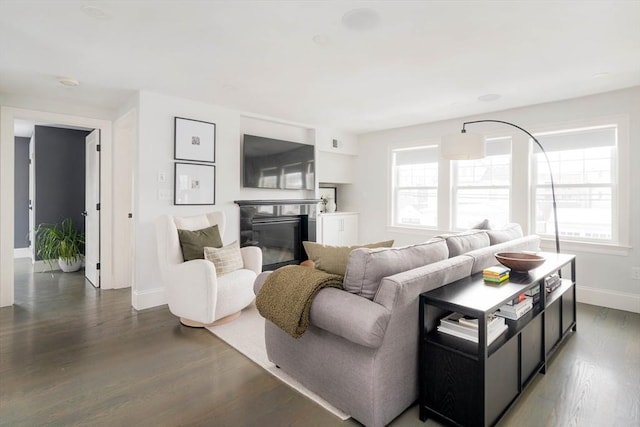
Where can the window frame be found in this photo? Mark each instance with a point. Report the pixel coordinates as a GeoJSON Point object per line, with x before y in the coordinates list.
{"type": "Point", "coordinates": [393, 189]}
{"type": "Point", "coordinates": [619, 237]}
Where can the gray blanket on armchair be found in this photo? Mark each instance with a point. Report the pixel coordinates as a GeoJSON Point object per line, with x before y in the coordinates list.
{"type": "Point", "coordinates": [286, 296]}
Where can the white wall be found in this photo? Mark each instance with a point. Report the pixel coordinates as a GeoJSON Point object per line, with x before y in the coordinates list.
{"type": "Point", "coordinates": [603, 278]}
{"type": "Point", "coordinates": [154, 154]}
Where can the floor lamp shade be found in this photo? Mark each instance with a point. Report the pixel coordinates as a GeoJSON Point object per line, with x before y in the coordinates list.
{"type": "Point", "coordinates": [462, 146]}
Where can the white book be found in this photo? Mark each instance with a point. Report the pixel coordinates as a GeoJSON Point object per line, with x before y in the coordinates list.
{"type": "Point", "coordinates": [491, 337]}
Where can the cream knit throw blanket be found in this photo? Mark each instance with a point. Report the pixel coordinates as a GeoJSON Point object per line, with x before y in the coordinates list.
{"type": "Point", "coordinates": [286, 296]}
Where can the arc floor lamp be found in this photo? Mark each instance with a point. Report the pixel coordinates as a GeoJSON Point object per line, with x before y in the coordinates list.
{"type": "Point", "coordinates": [467, 146]}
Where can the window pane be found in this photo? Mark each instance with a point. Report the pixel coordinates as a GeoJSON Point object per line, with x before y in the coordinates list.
{"type": "Point", "coordinates": [492, 170]}
{"type": "Point", "coordinates": [474, 205]}
{"type": "Point", "coordinates": [582, 166]}
{"type": "Point", "coordinates": [417, 207]}
{"type": "Point", "coordinates": [481, 187]}
{"type": "Point", "coordinates": [583, 212]}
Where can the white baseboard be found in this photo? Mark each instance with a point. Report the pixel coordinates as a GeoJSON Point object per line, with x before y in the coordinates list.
{"type": "Point", "coordinates": [608, 298]}
{"type": "Point", "coordinates": [22, 253]}
{"type": "Point", "coordinates": [148, 299]}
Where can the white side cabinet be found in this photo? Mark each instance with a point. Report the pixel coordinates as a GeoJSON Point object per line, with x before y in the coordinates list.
{"type": "Point", "coordinates": [338, 228]}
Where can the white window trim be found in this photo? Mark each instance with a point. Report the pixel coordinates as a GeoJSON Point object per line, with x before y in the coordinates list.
{"type": "Point", "coordinates": [620, 186]}
{"type": "Point", "coordinates": [391, 178]}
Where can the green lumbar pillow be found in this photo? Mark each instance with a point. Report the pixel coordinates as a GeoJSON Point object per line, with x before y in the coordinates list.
{"type": "Point", "coordinates": [193, 242]}
{"type": "Point", "coordinates": [333, 259]}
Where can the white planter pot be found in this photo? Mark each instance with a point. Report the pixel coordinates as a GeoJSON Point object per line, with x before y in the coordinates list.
{"type": "Point", "coordinates": [70, 267]}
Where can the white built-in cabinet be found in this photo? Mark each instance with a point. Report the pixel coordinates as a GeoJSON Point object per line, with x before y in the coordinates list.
{"type": "Point", "coordinates": [338, 228]}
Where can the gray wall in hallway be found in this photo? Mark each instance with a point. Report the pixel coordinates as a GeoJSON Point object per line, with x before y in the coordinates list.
{"type": "Point", "coordinates": [60, 175]}
{"type": "Point", "coordinates": [21, 193]}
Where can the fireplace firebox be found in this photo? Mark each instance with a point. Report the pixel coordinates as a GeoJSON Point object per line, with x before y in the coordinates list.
{"type": "Point", "coordinates": [278, 227]}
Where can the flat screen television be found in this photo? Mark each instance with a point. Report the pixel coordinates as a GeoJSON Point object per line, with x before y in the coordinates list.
{"type": "Point", "coordinates": [277, 164]}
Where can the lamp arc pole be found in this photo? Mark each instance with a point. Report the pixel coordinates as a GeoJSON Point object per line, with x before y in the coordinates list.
{"type": "Point", "coordinates": [553, 190]}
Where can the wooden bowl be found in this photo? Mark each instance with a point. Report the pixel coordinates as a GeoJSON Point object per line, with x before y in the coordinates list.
{"type": "Point", "coordinates": [520, 262]}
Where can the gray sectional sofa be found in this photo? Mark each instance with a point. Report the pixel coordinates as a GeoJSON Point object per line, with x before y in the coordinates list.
{"type": "Point", "coordinates": [360, 352]}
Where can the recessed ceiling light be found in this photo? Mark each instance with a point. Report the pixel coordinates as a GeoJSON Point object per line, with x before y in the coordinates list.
{"type": "Point", "coordinates": [65, 81]}
{"type": "Point", "coordinates": [95, 12]}
{"type": "Point", "coordinates": [489, 97]}
{"type": "Point", "coordinates": [362, 19]}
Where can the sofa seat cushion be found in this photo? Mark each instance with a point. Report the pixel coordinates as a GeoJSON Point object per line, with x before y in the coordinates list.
{"type": "Point", "coordinates": [461, 243]}
{"type": "Point", "coordinates": [333, 259]}
{"type": "Point", "coordinates": [349, 316]}
{"type": "Point", "coordinates": [367, 267]}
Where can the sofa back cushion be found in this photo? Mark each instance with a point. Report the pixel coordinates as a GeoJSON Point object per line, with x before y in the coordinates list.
{"type": "Point", "coordinates": [333, 259]}
{"type": "Point", "coordinates": [509, 232]}
{"type": "Point", "coordinates": [464, 242]}
{"type": "Point", "coordinates": [367, 267]}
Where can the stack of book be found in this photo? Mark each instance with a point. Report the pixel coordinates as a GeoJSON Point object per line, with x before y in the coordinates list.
{"type": "Point", "coordinates": [552, 282]}
{"type": "Point", "coordinates": [467, 328]}
{"type": "Point", "coordinates": [495, 274]}
{"type": "Point", "coordinates": [517, 308]}
{"type": "Point", "coordinates": [534, 293]}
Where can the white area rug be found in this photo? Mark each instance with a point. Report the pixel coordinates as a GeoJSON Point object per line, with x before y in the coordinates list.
{"type": "Point", "coordinates": [246, 334]}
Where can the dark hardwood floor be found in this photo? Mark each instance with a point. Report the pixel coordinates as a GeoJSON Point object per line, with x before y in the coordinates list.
{"type": "Point", "coordinates": [74, 355]}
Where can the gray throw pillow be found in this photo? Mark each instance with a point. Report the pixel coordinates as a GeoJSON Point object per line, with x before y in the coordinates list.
{"type": "Point", "coordinates": [367, 267]}
{"type": "Point", "coordinates": [193, 242]}
{"type": "Point", "coordinates": [482, 225]}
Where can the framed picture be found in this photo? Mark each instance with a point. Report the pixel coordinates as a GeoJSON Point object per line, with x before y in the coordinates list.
{"type": "Point", "coordinates": [194, 184]}
{"type": "Point", "coordinates": [194, 140]}
{"type": "Point", "coordinates": [330, 193]}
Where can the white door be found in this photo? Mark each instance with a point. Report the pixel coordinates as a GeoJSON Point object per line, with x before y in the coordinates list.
{"type": "Point", "coordinates": [92, 209]}
{"type": "Point", "coordinates": [32, 198]}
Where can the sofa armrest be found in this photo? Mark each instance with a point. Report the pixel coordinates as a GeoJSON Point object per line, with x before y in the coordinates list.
{"type": "Point", "coordinates": [350, 316]}
{"type": "Point", "coordinates": [347, 315]}
{"type": "Point", "coordinates": [187, 285]}
{"type": "Point", "coordinates": [252, 258]}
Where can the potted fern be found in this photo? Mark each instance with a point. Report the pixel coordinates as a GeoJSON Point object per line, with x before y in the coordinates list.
{"type": "Point", "coordinates": [60, 241]}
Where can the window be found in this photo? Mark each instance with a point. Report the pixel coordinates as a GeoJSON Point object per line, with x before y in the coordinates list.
{"type": "Point", "coordinates": [481, 188]}
{"type": "Point", "coordinates": [584, 167]}
{"type": "Point", "coordinates": [415, 186]}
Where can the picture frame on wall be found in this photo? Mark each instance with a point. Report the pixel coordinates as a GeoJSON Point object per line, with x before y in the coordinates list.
{"type": "Point", "coordinates": [194, 184]}
{"type": "Point", "coordinates": [328, 192]}
{"type": "Point", "coordinates": [194, 140]}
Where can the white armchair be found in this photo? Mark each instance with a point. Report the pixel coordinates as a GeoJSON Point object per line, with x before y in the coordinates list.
{"type": "Point", "coordinates": [193, 290]}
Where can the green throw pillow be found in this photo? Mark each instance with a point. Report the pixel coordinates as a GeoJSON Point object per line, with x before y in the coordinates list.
{"type": "Point", "coordinates": [194, 241]}
{"type": "Point", "coordinates": [333, 259]}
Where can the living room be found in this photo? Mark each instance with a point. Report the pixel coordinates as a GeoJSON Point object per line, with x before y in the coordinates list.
{"type": "Point", "coordinates": [361, 164]}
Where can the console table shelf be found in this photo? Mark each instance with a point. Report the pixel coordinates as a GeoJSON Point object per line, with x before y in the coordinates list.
{"type": "Point", "coordinates": [472, 384]}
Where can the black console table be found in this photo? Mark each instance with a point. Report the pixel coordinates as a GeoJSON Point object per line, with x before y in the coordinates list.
{"type": "Point", "coordinates": [472, 384]}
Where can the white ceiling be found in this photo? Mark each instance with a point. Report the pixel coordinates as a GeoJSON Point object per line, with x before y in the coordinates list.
{"type": "Point", "coordinates": [297, 61]}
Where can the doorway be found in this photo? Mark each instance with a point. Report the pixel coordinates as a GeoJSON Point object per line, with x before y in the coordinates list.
{"type": "Point", "coordinates": [7, 145]}
{"type": "Point", "coordinates": [63, 184]}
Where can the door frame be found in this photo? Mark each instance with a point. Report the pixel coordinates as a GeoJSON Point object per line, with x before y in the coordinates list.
{"type": "Point", "coordinates": [7, 155]}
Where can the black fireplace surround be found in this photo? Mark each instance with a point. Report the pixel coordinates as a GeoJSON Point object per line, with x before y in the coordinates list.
{"type": "Point", "coordinates": [278, 227]}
